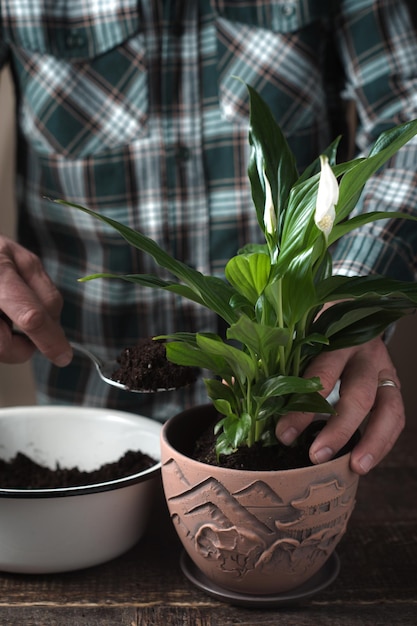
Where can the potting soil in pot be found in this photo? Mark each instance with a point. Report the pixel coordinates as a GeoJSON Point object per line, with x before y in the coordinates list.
{"type": "Point", "coordinates": [259, 457]}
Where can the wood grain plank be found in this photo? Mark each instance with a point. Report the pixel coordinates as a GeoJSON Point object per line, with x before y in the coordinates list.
{"type": "Point", "coordinates": [71, 616]}
{"type": "Point", "coordinates": [355, 614]}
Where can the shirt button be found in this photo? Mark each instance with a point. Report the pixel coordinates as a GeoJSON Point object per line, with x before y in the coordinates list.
{"type": "Point", "coordinates": [74, 40]}
{"type": "Point", "coordinates": [177, 28]}
{"type": "Point", "coordinates": [288, 9]}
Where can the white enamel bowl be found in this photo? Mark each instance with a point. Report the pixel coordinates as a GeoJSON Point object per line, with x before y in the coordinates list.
{"type": "Point", "coordinates": [57, 530]}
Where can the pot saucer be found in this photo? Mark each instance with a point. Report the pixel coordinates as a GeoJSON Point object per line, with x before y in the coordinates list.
{"type": "Point", "coordinates": [322, 579]}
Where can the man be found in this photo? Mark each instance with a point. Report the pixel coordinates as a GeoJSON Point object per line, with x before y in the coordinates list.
{"type": "Point", "coordinates": [131, 108]}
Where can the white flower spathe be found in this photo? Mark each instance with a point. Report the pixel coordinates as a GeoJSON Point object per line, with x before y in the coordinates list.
{"type": "Point", "coordinates": [327, 198]}
{"type": "Point", "coordinates": [270, 216]}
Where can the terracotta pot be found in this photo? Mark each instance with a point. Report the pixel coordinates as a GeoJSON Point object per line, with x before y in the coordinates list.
{"type": "Point", "coordinates": [253, 532]}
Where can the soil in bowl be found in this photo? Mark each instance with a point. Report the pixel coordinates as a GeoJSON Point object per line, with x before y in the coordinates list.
{"type": "Point", "coordinates": [145, 366]}
{"type": "Point", "coordinates": [21, 472]}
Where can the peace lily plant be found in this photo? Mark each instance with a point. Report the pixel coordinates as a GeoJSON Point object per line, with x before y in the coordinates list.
{"type": "Point", "coordinates": [274, 295]}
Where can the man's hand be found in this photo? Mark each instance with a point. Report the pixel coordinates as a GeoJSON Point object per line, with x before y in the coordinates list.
{"type": "Point", "coordinates": [359, 369]}
{"type": "Point", "coordinates": [30, 301]}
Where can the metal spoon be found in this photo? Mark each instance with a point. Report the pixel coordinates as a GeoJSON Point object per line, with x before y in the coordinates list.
{"type": "Point", "coordinates": [105, 369]}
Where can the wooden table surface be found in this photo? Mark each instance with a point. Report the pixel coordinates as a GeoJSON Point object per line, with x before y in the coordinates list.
{"type": "Point", "coordinates": [377, 583]}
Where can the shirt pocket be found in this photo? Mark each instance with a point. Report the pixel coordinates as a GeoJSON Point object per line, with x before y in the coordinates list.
{"type": "Point", "coordinates": [82, 79]}
{"type": "Point", "coordinates": [276, 48]}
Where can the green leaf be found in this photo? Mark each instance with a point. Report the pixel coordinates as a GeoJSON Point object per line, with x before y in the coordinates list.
{"type": "Point", "coordinates": [393, 138]}
{"type": "Point", "coordinates": [339, 230]}
{"type": "Point", "coordinates": [236, 430]}
{"type": "Point", "coordinates": [263, 340]}
{"type": "Point", "coordinates": [355, 322]}
{"type": "Point", "coordinates": [285, 385]}
{"type": "Point", "coordinates": [338, 318]}
{"type": "Point", "coordinates": [299, 230]}
{"type": "Point", "coordinates": [267, 307]}
{"type": "Point", "coordinates": [270, 153]}
{"type": "Point", "coordinates": [146, 280]}
{"type": "Point", "coordinates": [271, 407]}
{"type": "Point", "coordinates": [310, 403]}
{"type": "Point", "coordinates": [360, 333]}
{"type": "Point", "coordinates": [240, 363]}
{"type": "Point", "coordinates": [346, 287]}
{"type": "Point", "coordinates": [298, 290]}
{"type": "Point", "coordinates": [193, 356]}
{"type": "Point", "coordinates": [219, 392]}
{"type": "Point", "coordinates": [213, 292]}
{"type": "Point", "coordinates": [218, 426]}
{"type": "Point", "coordinates": [384, 148]}
{"type": "Point", "coordinates": [223, 406]}
{"type": "Point", "coordinates": [223, 446]}
{"type": "Point", "coordinates": [312, 339]}
{"type": "Point", "coordinates": [249, 274]}
{"type": "Point", "coordinates": [242, 306]}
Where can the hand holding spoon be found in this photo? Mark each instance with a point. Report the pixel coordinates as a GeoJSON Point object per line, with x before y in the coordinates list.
{"type": "Point", "coordinates": [107, 368]}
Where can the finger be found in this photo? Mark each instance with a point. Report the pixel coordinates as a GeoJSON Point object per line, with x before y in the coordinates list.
{"type": "Point", "coordinates": [24, 279]}
{"type": "Point", "coordinates": [360, 398]}
{"type": "Point", "coordinates": [385, 424]}
{"type": "Point", "coordinates": [328, 367]}
{"type": "Point", "coordinates": [42, 332]}
{"type": "Point", "coordinates": [36, 313]}
{"type": "Point", "coordinates": [358, 386]}
{"type": "Point", "coordinates": [14, 348]}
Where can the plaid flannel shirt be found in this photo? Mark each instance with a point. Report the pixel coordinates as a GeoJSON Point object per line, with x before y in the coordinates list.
{"type": "Point", "coordinates": [130, 107]}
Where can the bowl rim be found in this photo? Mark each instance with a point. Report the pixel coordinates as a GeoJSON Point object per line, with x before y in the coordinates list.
{"type": "Point", "coordinates": [110, 485]}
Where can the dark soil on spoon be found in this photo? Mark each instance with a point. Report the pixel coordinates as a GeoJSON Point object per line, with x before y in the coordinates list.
{"type": "Point", "coordinates": [144, 366]}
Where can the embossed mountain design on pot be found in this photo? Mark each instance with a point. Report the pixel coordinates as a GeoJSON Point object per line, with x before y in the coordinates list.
{"type": "Point", "coordinates": [257, 503]}
{"type": "Point", "coordinates": [192, 507]}
{"type": "Point", "coordinates": [266, 505]}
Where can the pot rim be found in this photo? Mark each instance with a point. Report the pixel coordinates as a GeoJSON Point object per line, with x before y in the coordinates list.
{"type": "Point", "coordinates": [171, 423]}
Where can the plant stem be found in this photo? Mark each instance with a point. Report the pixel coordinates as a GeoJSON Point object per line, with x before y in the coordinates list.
{"type": "Point", "coordinates": [281, 325]}
{"type": "Point", "coordinates": [297, 352]}
{"type": "Point", "coordinates": [288, 351]}
{"type": "Point", "coordinates": [252, 431]}
{"type": "Point", "coordinates": [258, 429]}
